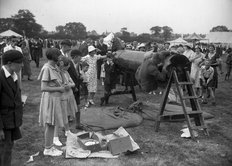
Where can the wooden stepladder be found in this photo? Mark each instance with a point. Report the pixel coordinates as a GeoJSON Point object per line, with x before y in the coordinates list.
{"type": "Point", "coordinates": [196, 112]}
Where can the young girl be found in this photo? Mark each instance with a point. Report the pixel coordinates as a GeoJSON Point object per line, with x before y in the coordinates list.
{"type": "Point", "coordinates": [50, 106]}
{"type": "Point", "coordinates": [68, 103]}
{"type": "Point", "coordinates": [84, 85]}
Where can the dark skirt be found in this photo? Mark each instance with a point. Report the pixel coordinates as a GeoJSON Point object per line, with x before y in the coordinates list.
{"type": "Point", "coordinates": [84, 89]}
{"type": "Point", "coordinates": [26, 70]}
{"type": "Point", "coordinates": [210, 84]}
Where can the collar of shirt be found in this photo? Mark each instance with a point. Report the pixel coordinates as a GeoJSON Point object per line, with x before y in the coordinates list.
{"type": "Point", "coordinates": [10, 47]}
{"type": "Point", "coordinates": [63, 53]}
{"type": "Point", "coordinates": [7, 74]}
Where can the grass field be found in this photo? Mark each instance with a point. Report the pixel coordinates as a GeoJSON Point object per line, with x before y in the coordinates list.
{"type": "Point", "coordinates": [163, 148]}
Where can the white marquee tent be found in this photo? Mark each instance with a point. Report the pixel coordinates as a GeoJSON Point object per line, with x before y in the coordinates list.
{"type": "Point", "coordinates": [219, 37]}
{"type": "Point", "coordinates": [9, 33]}
{"type": "Point", "coordinates": [178, 41]}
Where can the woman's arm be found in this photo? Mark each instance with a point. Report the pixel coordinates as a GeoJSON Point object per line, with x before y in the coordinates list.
{"type": "Point", "coordinates": [46, 88]}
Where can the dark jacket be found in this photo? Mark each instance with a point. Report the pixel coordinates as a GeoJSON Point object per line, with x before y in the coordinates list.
{"type": "Point", "coordinates": [11, 107]}
{"type": "Point", "coordinates": [102, 48]}
{"type": "Point", "coordinates": [110, 75]}
{"type": "Point", "coordinates": [75, 75]}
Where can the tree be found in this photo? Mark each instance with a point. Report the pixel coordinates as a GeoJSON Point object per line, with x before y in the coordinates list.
{"type": "Point", "coordinates": [6, 23]}
{"type": "Point", "coordinates": [75, 30]}
{"type": "Point", "coordinates": [156, 30]}
{"type": "Point", "coordinates": [219, 28]}
{"type": "Point", "coordinates": [123, 29]}
{"type": "Point", "coordinates": [24, 21]}
{"type": "Point", "coordinates": [167, 32]}
{"type": "Point", "coordinates": [144, 37]}
{"type": "Point", "coordinates": [125, 36]}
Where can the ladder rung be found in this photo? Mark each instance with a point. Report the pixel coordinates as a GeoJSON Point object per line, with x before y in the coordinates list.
{"type": "Point", "coordinates": [189, 97]}
{"type": "Point", "coordinates": [194, 112]}
{"type": "Point", "coordinates": [185, 83]}
{"type": "Point", "coordinates": [198, 127]}
{"type": "Point", "coordinates": [181, 113]}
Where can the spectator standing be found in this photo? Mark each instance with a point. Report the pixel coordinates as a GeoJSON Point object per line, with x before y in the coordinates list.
{"type": "Point", "coordinates": [26, 61]}
{"type": "Point", "coordinates": [68, 103]}
{"type": "Point", "coordinates": [212, 56]}
{"type": "Point", "coordinates": [11, 107]}
{"type": "Point", "coordinates": [102, 50]}
{"type": "Point", "coordinates": [50, 106]}
{"type": "Point", "coordinates": [12, 45]}
{"type": "Point", "coordinates": [36, 51]}
{"type": "Point", "coordinates": [196, 60]}
{"type": "Point", "coordinates": [228, 63]}
{"type": "Point", "coordinates": [109, 82]}
{"type": "Point", "coordinates": [74, 72]}
{"type": "Point", "coordinates": [85, 82]}
{"type": "Point", "coordinates": [92, 59]}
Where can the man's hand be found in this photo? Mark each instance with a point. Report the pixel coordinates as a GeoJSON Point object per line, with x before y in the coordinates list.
{"type": "Point", "coordinates": [2, 135]}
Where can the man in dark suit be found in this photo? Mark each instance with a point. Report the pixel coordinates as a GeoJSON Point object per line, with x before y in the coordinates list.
{"type": "Point", "coordinates": [37, 47]}
{"type": "Point", "coordinates": [11, 107]}
{"type": "Point", "coordinates": [74, 72]}
{"type": "Point", "coordinates": [102, 50]}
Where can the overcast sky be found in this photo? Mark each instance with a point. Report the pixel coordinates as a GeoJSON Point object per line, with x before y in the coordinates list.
{"type": "Point", "coordinates": [183, 16]}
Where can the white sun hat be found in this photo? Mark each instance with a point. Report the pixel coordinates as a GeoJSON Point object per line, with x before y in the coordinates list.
{"type": "Point", "coordinates": [91, 48]}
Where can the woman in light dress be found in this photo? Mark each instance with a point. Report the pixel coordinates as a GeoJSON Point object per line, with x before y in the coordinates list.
{"type": "Point", "coordinates": [92, 59]}
{"type": "Point", "coordinates": [195, 73]}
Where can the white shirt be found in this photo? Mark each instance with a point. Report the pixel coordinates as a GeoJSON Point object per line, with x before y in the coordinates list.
{"type": "Point", "coordinates": [7, 74]}
{"type": "Point", "coordinates": [189, 54]}
{"type": "Point", "coordinates": [63, 53]}
{"type": "Point", "coordinates": [9, 47]}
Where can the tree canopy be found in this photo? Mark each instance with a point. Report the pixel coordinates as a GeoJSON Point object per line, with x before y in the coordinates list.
{"type": "Point", "coordinates": [219, 28]}
{"type": "Point", "coordinates": [23, 22]}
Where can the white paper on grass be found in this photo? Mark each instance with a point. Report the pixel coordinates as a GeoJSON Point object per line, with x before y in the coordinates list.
{"type": "Point", "coordinates": [31, 159]}
{"type": "Point", "coordinates": [186, 133]}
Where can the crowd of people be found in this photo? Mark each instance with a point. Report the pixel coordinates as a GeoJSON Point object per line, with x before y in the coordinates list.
{"type": "Point", "coordinates": [72, 71]}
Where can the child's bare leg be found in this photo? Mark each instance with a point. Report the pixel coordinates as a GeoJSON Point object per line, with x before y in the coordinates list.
{"type": "Point", "coordinates": [212, 95]}
{"type": "Point", "coordinates": [49, 134]}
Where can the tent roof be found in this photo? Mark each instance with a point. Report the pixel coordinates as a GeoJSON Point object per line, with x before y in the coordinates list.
{"type": "Point", "coordinates": [193, 36]}
{"type": "Point", "coordinates": [178, 41]}
{"type": "Point", "coordinates": [219, 37]}
{"type": "Point", "coordinates": [9, 33]}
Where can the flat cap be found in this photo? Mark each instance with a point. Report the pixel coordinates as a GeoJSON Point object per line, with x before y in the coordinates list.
{"type": "Point", "coordinates": [66, 42]}
{"type": "Point", "coordinates": [75, 53]}
{"type": "Point", "coordinates": [12, 56]}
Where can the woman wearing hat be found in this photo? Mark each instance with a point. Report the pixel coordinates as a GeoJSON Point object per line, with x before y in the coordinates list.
{"type": "Point", "coordinates": [188, 51]}
{"type": "Point", "coordinates": [196, 60]}
{"type": "Point", "coordinates": [92, 59]}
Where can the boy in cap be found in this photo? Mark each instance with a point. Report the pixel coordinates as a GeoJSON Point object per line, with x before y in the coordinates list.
{"type": "Point", "coordinates": [11, 107]}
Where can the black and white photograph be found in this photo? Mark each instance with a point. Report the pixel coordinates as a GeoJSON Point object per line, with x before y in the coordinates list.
{"type": "Point", "coordinates": [115, 82]}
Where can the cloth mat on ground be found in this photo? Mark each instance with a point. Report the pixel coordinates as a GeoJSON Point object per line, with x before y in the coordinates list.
{"type": "Point", "coordinates": [151, 110]}
{"type": "Point", "coordinates": [103, 118]}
